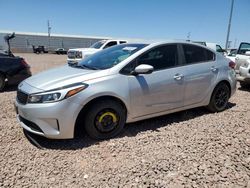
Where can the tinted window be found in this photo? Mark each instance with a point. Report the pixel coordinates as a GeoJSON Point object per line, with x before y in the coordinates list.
{"type": "Point", "coordinates": [243, 48]}
{"type": "Point", "coordinates": [160, 57]}
{"type": "Point", "coordinates": [196, 54]}
{"type": "Point", "coordinates": [122, 42]}
{"type": "Point", "coordinates": [110, 44]}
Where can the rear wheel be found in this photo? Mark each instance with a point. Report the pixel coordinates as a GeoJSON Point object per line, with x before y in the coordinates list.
{"type": "Point", "coordinates": [219, 99]}
{"type": "Point", "coordinates": [105, 119]}
{"type": "Point", "coordinates": [2, 82]}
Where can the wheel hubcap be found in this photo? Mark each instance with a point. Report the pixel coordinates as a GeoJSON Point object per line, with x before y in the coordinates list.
{"type": "Point", "coordinates": [221, 98]}
{"type": "Point", "coordinates": [106, 120]}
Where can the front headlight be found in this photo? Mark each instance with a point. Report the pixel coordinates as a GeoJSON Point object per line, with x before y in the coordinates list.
{"type": "Point", "coordinates": [78, 54]}
{"type": "Point", "coordinates": [56, 94]}
{"type": "Point", "coordinates": [51, 97]}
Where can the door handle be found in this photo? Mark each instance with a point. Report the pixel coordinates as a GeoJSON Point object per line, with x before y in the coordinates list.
{"type": "Point", "coordinates": [213, 69]}
{"type": "Point", "coordinates": [178, 77]}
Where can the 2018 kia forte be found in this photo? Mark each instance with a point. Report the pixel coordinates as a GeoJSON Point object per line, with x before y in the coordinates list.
{"type": "Point", "coordinates": [123, 84]}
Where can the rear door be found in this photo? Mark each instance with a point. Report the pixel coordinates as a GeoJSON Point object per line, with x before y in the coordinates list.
{"type": "Point", "coordinates": [241, 58]}
{"type": "Point", "coordinates": [201, 73]}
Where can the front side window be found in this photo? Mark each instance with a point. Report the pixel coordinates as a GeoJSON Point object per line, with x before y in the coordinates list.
{"type": "Point", "coordinates": [161, 57]}
{"type": "Point", "coordinates": [243, 48]}
{"type": "Point", "coordinates": [110, 44]}
{"type": "Point", "coordinates": [110, 57]}
{"type": "Point", "coordinates": [219, 49]}
{"type": "Point", "coordinates": [196, 54]}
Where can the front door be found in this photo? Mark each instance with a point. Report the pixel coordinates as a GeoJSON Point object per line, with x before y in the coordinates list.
{"type": "Point", "coordinates": [161, 90]}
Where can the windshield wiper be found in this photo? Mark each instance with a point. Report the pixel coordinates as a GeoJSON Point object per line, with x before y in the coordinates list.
{"type": "Point", "coordinates": [88, 67]}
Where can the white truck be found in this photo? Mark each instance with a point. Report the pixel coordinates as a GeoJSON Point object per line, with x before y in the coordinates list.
{"type": "Point", "coordinates": [77, 54]}
{"type": "Point", "coordinates": [242, 61]}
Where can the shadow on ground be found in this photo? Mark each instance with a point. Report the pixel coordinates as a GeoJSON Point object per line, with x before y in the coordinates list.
{"type": "Point", "coordinates": [10, 88]}
{"type": "Point", "coordinates": [244, 89]}
{"type": "Point", "coordinates": [130, 130]}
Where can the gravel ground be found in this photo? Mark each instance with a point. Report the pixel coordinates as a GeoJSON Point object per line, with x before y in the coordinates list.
{"type": "Point", "coordinates": [192, 148]}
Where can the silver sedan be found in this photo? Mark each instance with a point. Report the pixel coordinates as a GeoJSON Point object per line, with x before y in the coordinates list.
{"type": "Point", "coordinates": [123, 84]}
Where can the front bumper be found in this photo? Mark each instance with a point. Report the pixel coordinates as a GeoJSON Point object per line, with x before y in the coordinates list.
{"type": "Point", "coordinates": [73, 61]}
{"type": "Point", "coordinates": [52, 120]}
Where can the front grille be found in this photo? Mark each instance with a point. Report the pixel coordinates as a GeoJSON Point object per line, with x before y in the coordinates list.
{"type": "Point", "coordinates": [30, 124]}
{"type": "Point", "coordinates": [22, 97]}
{"type": "Point", "coordinates": [71, 55]}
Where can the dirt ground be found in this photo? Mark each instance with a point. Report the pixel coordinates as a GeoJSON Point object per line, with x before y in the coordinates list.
{"type": "Point", "coordinates": [192, 148]}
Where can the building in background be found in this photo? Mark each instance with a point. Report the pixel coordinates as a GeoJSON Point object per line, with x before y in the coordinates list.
{"type": "Point", "coordinates": [24, 40]}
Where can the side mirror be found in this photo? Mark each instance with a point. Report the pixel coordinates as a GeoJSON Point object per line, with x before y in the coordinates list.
{"type": "Point", "coordinates": [143, 69]}
{"type": "Point", "coordinates": [247, 53]}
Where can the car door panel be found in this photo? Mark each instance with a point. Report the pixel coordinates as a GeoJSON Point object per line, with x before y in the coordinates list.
{"type": "Point", "coordinates": [156, 92]}
{"type": "Point", "coordinates": [198, 81]}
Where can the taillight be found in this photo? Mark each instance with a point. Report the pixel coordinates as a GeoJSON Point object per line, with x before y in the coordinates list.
{"type": "Point", "coordinates": [231, 64]}
{"type": "Point", "coordinates": [24, 63]}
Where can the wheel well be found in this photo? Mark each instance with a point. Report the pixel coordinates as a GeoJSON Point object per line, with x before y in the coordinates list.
{"type": "Point", "coordinates": [79, 128]}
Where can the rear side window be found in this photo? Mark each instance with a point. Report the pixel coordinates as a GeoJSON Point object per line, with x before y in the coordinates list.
{"type": "Point", "coordinates": [196, 54]}
{"type": "Point", "coordinates": [122, 42]}
{"type": "Point", "coordinates": [161, 57]}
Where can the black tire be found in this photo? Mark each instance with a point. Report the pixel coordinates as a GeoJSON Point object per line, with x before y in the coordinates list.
{"type": "Point", "coordinates": [2, 82]}
{"type": "Point", "coordinates": [244, 85]}
{"type": "Point", "coordinates": [104, 119]}
{"type": "Point", "coordinates": [219, 99]}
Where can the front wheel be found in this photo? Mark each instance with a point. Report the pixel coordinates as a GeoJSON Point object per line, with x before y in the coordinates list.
{"type": "Point", "coordinates": [105, 119]}
{"type": "Point", "coordinates": [219, 99]}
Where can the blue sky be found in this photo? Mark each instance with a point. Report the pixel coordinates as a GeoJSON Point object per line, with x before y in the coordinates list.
{"type": "Point", "coordinates": [206, 20]}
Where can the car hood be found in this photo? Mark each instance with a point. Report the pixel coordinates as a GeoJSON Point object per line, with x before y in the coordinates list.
{"type": "Point", "coordinates": [62, 76]}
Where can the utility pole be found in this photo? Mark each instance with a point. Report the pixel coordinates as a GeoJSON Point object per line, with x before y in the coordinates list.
{"type": "Point", "coordinates": [49, 31]}
{"type": "Point", "coordinates": [229, 24]}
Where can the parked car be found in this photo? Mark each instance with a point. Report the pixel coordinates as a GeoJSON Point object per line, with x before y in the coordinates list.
{"type": "Point", "coordinates": [232, 54]}
{"type": "Point", "coordinates": [124, 83]}
{"type": "Point", "coordinates": [13, 69]}
{"type": "Point", "coordinates": [77, 54]}
{"type": "Point", "coordinates": [242, 56]}
{"type": "Point", "coordinates": [243, 64]}
{"type": "Point", "coordinates": [39, 49]}
{"type": "Point", "coordinates": [60, 51]}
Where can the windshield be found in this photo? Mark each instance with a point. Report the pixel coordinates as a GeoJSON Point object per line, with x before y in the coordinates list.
{"type": "Point", "coordinates": [110, 57]}
{"type": "Point", "coordinates": [98, 44]}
